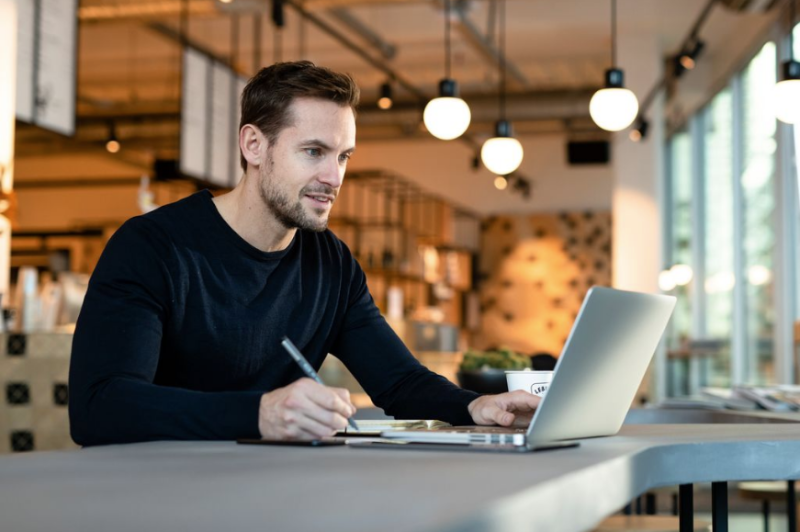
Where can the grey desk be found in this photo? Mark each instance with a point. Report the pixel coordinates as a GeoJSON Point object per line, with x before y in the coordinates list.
{"type": "Point", "coordinates": [215, 486]}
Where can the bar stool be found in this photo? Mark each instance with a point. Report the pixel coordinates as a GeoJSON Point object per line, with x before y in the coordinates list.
{"type": "Point", "coordinates": [767, 492]}
{"type": "Point", "coordinates": [647, 523]}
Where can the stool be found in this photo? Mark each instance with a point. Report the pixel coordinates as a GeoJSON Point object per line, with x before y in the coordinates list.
{"type": "Point", "coordinates": [647, 523]}
{"type": "Point", "coordinates": [772, 491]}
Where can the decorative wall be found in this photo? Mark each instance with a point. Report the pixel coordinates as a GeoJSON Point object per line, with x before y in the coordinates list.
{"type": "Point", "coordinates": [535, 272]}
{"type": "Point", "coordinates": [33, 380]}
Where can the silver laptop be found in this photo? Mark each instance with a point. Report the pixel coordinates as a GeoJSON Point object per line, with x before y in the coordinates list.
{"type": "Point", "coordinates": [595, 380]}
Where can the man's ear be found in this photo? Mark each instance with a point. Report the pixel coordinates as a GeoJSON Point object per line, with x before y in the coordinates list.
{"type": "Point", "coordinates": [252, 143]}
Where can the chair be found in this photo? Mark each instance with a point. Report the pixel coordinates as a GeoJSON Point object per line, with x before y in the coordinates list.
{"type": "Point", "coordinates": [767, 492]}
{"type": "Point", "coordinates": [647, 523]}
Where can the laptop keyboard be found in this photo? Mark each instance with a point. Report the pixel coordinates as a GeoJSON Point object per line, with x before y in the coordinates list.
{"type": "Point", "coordinates": [488, 430]}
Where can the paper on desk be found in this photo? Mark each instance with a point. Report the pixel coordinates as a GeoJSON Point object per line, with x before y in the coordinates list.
{"type": "Point", "coordinates": [373, 427]}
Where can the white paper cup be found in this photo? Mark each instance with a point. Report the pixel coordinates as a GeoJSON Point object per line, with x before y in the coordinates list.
{"type": "Point", "coordinates": [535, 382]}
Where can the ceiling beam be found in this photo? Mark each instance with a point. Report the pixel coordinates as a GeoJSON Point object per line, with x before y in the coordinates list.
{"type": "Point", "coordinates": [483, 45]}
{"type": "Point", "coordinates": [388, 51]}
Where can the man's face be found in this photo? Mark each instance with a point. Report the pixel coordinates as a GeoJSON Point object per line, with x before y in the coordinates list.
{"type": "Point", "coordinates": [304, 168]}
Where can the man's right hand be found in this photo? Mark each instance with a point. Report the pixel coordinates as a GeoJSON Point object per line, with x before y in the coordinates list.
{"type": "Point", "coordinates": [304, 410]}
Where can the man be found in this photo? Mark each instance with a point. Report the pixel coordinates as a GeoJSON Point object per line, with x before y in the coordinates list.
{"type": "Point", "coordinates": [179, 335]}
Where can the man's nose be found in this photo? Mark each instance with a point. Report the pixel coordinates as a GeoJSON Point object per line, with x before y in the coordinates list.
{"type": "Point", "coordinates": [332, 174]}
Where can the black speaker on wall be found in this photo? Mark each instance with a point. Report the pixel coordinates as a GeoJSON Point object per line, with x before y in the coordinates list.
{"type": "Point", "coordinates": [588, 152]}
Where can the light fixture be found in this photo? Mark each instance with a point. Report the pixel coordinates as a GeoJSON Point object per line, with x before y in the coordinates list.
{"type": "Point", "coordinates": [502, 154]}
{"type": "Point", "coordinates": [720, 282]}
{"type": "Point", "coordinates": [666, 282]}
{"type": "Point", "coordinates": [787, 91]}
{"type": "Point", "coordinates": [759, 275]}
{"type": "Point", "coordinates": [500, 183]}
{"type": "Point", "coordinates": [385, 99]}
{"type": "Point", "coordinates": [112, 144]}
{"type": "Point", "coordinates": [639, 132]}
{"type": "Point", "coordinates": [682, 274]}
{"type": "Point", "coordinates": [447, 116]}
{"type": "Point", "coordinates": [614, 107]}
{"type": "Point", "coordinates": [687, 59]}
{"type": "Point", "coordinates": [522, 186]}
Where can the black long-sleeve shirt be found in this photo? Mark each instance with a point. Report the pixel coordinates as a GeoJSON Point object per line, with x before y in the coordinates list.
{"type": "Point", "coordinates": [179, 334]}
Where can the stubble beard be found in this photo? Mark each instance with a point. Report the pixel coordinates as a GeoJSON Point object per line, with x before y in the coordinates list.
{"type": "Point", "coordinates": [291, 213]}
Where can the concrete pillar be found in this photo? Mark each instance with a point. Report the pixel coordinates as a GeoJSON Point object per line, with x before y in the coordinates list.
{"type": "Point", "coordinates": [638, 181]}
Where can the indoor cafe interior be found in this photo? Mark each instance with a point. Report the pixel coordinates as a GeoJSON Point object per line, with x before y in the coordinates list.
{"type": "Point", "coordinates": [511, 155]}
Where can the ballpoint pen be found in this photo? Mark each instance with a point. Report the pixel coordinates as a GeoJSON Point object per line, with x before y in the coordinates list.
{"type": "Point", "coordinates": [308, 370]}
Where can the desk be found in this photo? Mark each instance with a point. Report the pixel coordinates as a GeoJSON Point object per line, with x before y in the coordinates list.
{"type": "Point", "coordinates": [212, 486]}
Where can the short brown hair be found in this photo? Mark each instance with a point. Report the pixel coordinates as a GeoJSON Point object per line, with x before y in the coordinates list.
{"type": "Point", "coordinates": [267, 96]}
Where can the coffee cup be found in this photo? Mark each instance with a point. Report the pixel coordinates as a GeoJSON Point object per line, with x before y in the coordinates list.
{"type": "Point", "coordinates": [535, 382]}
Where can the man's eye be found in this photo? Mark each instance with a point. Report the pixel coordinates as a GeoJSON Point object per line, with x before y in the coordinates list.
{"type": "Point", "coordinates": [345, 157]}
{"type": "Point", "coordinates": [314, 152]}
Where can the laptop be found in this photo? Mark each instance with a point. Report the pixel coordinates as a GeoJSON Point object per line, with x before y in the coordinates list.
{"type": "Point", "coordinates": [595, 381]}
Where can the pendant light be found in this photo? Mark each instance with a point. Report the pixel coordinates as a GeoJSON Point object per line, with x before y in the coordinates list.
{"type": "Point", "coordinates": [447, 117]}
{"type": "Point", "coordinates": [787, 91]}
{"type": "Point", "coordinates": [502, 154]}
{"type": "Point", "coordinates": [614, 107]}
{"type": "Point", "coordinates": [385, 100]}
{"type": "Point", "coordinates": [112, 142]}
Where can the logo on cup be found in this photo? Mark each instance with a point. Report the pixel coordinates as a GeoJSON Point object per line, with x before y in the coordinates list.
{"type": "Point", "coordinates": [539, 388]}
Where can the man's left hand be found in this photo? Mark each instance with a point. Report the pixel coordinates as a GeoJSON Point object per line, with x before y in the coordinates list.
{"type": "Point", "coordinates": [506, 409]}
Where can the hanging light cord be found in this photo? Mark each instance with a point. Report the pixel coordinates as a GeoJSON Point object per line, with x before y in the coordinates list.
{"type": "Point", "coordinates": [447, 39]}
{"type": "Point", "coordinates": [613, 33]}
{"type": "Point", "coordinates": [234, 20]}
{"type": "Point", "coordinates": [502, 17]}
{"type": "Point", "coordinates": [277, 45]}
{"type": "Point", "coordinates": [792, 16]}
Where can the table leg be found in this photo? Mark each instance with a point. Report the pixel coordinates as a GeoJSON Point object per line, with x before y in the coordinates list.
{"type": "Point", "coordinates": [686, 507]}
{"type": "Point", "coordinates": [650, 504]}
{"type": "Point", "coordinates": [719, 506]}
{"type": "Point", "coordinates": [765, 511]}
{"type": "Point", "coordinates": [791, 506]}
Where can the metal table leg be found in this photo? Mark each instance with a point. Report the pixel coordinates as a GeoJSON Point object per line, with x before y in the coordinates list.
{"type": "Point", "coordinates": [791, 505]}
{"type": "Point", "coordinates": [686, 507]}
{"type": "Point", "coordinates": [719, 506]}
{"type": "Point", "coordinates": [650, 504]}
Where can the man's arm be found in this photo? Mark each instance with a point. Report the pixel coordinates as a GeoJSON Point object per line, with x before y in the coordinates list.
{"type": "Point", "coordinates": [403, 387]}
{"type": "Point", "coordinates": [384, 366]}
{"type": "Point", "coordinates": [116, 351]}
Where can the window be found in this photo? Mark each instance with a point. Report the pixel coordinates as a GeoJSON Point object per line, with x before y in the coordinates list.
{"type": "Point", "coordinates": [728, 215]}
{"type": "Point", "coordinates": [680, 247]}
{"type": "Point", "coordinates": [718, 238]}
{"type": "Point", "coordinates": [796, 162]}
{"type": "Point", "coordinates": [757, 183]}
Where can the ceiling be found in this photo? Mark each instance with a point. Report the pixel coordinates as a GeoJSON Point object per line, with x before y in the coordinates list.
{"type": "Point", "coordinates": [556, 50]}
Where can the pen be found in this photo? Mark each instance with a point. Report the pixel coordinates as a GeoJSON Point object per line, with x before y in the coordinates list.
{"type": "Point", "coordinates": [307, 369]}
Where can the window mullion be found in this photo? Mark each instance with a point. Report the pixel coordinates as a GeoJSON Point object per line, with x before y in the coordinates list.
{"type": "Point", "coordinates": [741, 363]}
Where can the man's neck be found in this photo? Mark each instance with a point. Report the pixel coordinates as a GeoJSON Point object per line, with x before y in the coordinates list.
{"type": "Point", "coordinates": [244, 210]}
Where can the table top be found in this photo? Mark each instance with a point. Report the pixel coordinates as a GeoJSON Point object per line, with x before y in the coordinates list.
{"type": "Point", "coordinates": [212, 486]}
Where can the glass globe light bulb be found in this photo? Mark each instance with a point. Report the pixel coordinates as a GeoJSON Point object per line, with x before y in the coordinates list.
{"type": "Point", "coordinates": [446, 117]}
{"type": "Point", "coordinates": [613, 109]}
{"type": "Point", "coordinates": [501, 155]}
{"type": "Point", "coordinates": [787, 101]}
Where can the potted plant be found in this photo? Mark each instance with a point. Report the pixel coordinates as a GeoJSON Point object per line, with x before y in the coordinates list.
{"type": "Point", "coordinates": [484, 371]}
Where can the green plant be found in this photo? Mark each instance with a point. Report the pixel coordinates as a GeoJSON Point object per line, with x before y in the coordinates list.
{"type": "Point", "coordinates": [501, 359]}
